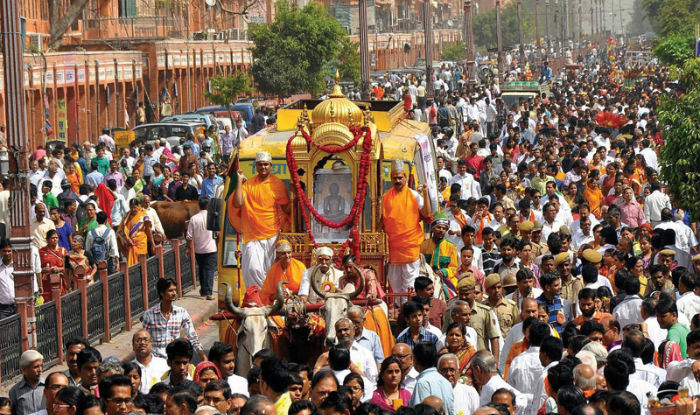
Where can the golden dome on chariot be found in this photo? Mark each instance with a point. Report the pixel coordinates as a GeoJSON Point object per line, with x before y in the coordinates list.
{"type": "Point", "coordinates": [337, 108]}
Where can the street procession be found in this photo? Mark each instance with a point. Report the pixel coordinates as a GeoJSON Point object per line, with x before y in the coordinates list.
{"type": "Point", "coordinates": [454, 207]}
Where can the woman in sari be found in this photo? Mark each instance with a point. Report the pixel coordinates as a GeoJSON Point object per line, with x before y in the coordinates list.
{"type": "Point", "coordinates": [52, 259]}
{"type": "Point", "coordinates": [134, 232]}
{"type": "Point", "coordinates": [165, 183]}
{"type": "Point", "coordinates": [205, 373]}
{"type": "Point", "coordinates": [389, 394]}
{"type": "Point", "coordinates": [79, 257]}
{"type": "Point", "coordinates": [456, 343]}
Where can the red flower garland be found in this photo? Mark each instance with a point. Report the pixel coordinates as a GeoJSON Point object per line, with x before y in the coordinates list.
{"type": "Point", "coordinates": [360, 194]}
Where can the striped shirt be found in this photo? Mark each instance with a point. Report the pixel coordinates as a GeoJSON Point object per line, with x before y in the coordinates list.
{"type": "Point", "coordinates": [165, 331]}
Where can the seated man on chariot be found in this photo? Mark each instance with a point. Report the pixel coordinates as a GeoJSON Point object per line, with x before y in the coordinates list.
{"type": "Point", "coordinates": [285, 268]}
{"type": "Point", "coordinates": [326, 275]}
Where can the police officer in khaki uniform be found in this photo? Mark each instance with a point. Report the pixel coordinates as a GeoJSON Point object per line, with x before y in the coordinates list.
{"type": "Point", "coordinates": [570, 285]}
{"type": "Point", "coordinates": [482, 320]}
{"type": "Point", "coordinates": [506, 310]}
{"type": "Point", "coordinates": [539, 247]}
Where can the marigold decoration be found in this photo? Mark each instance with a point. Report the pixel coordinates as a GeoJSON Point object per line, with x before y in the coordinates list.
{"type": "Point", "coordinates": [353, 241]}
{"type": "Point", "coordinates": [328, 287]}
{"type": "Point", "coordinates": [608, 119]}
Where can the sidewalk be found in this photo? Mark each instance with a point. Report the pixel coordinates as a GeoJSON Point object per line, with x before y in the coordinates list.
{"type": "Point", "coordinates": [120, 346]}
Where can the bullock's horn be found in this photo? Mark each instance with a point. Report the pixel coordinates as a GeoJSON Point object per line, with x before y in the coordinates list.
{"type": "Point", "coordinates": [279, 301]}
{"type": "Point", "coordinates": [314, 285]}
{"type": "Point", "coordinates": [229, 302]}
{"type": "Point", "coordinates": [358, 290]}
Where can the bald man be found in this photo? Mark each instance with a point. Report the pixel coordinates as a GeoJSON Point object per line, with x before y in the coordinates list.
{"type": "Point", "coordinates": [434, 402]}
{"type": "Point", "coordinates": [585, 379]}
{"type": "Point", "coordinates": [54, 383]}
{"type": "Point", "coordinates": [409, 373]}
{"type": "Point", "coordinates": [486, 410]}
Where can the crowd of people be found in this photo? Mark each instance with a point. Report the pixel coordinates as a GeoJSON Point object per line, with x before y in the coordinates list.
{"type": "Point", "coordinates": [558, 277]}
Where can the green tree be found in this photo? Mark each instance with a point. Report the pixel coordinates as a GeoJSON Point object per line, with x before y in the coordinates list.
{"type": "Point", "coordinates": [225, 89]}
{"type": "Point", "coordinates": [291, 54]}
{"type": "Point", "coordinates": [640, 22]}
{"type": "Point", "coordinates": [485, 34]}
{"type": "Point", "coordinates": [454, 52]}
{"type": "Point", "coordinates": [675, 49]}
{"type": "Point", "coordinates": [347, 62]}
{"type": "Point", "coordinates": [672, 16]}
{"type": "Point", "coordinates": [680, 157]}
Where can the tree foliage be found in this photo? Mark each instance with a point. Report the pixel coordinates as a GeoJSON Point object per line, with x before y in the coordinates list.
{"type": "Point", "coordinates": [672, 16]}
{"type": "Point", "coordinates": [675, 49]}
{"type": "Point", "coordinates": [454, 52]}
{"type": "Point", "coordinates": [347, 63]}
{"type": "Point", "coordinates": [485, 34]}
{"type": "Point", "coordinates": [292, 53]}
{"type": "Point", "coordinates": [680, 157]}
{"type": "Point", "coordinates": [225, 89]}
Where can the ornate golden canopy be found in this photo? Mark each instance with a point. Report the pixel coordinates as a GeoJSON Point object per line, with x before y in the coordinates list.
{"type": "Point", "coordinates": [337, 108]}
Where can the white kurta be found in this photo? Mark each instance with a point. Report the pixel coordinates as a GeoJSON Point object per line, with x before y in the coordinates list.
{"type": "Point", "coordinates": [256, 259]}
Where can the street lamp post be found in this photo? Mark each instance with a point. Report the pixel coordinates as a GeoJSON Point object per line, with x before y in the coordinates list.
{"type": "Point", "coordinates": [364, 50]}
{"type": "Point", "coordinates": [546, 23]}
{"type": "Point", "coordinates": [520, 31]}
{"type": "Point", "coordinates": [428, 26]}
{"type": "Point", "coordinates": [18, 169]}
{"type": "Point", "coordinates": [499, 36]}
{"type": "Point", "coordinates": [469, 39]}
{"type": "Point", "coordinates": [537, 24]}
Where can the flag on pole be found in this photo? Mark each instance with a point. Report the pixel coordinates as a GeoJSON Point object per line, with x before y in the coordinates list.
{"type": "Point", "coordinates": [233, 176]}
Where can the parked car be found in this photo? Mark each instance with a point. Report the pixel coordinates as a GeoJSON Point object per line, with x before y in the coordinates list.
{"type": "Point", "coordinates": [205, 119]}
{"type": "Point", "coordinates": [173, 131]}
{"type": "Point", "coordinates": [246, 111]}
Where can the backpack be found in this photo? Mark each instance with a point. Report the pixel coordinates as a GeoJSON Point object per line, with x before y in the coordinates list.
{"type": "Point", "coordinates": [99, 245]}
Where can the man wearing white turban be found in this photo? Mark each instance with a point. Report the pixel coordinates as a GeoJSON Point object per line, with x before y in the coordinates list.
{"type": "Point", "coordinates": [259, 199]}
{"type": "Point", "coordinates": [323, 272]}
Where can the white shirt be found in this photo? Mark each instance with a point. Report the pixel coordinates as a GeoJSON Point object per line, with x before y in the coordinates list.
{"type": "Point", "coordinates": [536, 292]}
{"type": "Point", "coordinates": [155, 220]}
{"type": "Point", "coordinates": [364, 360]}
{"type": "Point", "coordinates": [640, 389]}
{"type": "Point", "coordinates": [540, 394]}
{"type": "Point", "coordinates": [629, 311]}
{"type": "Point", "coordinates": [688, 304]}
{"type": "Point", "coordinates": [576, 225]}
{"type": "Point", "coordinates": [468, 184]}
{"type": "Point", "coordinates": [656, 334]}
{"type": "Point", "coordinates": [7, 284]}
{"type": "Point", "coordinates": [409, 382]}
{"type": "Point", "coordinates": [650, 158]}
{"type": "Point", "coordinates": [515, 334]}
{"type": "Point", "coordinates": [456, 227]}
{"type": "Point", "coordinates": [548, 228]}
{"type": "Point", "coordinates": [690, 383]}
{"type": "Point", "coordinates": [495, 383]}
{"type": "Point", "coordinates": [153, 373]}
{"type": "Point", "coordinates": [579, 239]}
{"type": "Point", "coordinates": [525, 370]}
{"type": "Point", "coordinates": [648, 373]}
{"type": "Point", "coordinates": [333, 275]}
{"type": "Point", "coordinates": [654, 204]}
{"type": "Point", "coordinates": [466, 399]}
{"type": "Point", "coordinates": [238, 384]}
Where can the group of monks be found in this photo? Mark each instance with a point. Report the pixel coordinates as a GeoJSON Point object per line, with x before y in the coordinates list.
{"type": "Point", "coordinates": [266, 260]}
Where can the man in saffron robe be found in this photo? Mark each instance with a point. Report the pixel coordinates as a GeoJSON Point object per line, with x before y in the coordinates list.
{"type": "Point", "coordinates": [401, 211]}
{"type": "Point", "coordinates": [440, 253]}
{"type": "Point", "coordinates": [285, 269]}
{"type": "Point", "coordinates": [260, 200]}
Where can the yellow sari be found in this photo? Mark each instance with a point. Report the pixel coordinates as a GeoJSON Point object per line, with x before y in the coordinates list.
{"type": "Point", "coordinates": [134, 226]}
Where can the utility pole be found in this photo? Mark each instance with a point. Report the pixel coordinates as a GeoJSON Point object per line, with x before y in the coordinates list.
{"type": "Point", "coordinates": [520, 31]}
{"type": "Point", "coordinates": [592, 18]}
{"type": "Point", "coordinates": [469, 39]}
{"type": "Point", "coordinates": [580, 25]}
{"type": "Point", "coordinates": [537, 24]}
{"type": "Point", "coordinates": [428, 26]}
{"type": "Point", "coordinates": [364, 50]}
{"type": "Point", "coordinates": [17, 165]}
{"type": "Point", "coordinates": [602, 17]}
{"type": "Point", "coordinates": [499, 34]}
{"type": "Point", "coordinates": [546, 23]}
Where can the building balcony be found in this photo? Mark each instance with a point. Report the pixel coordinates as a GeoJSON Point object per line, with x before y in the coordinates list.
{"type": "Point", "coordinates": [132, 28]}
